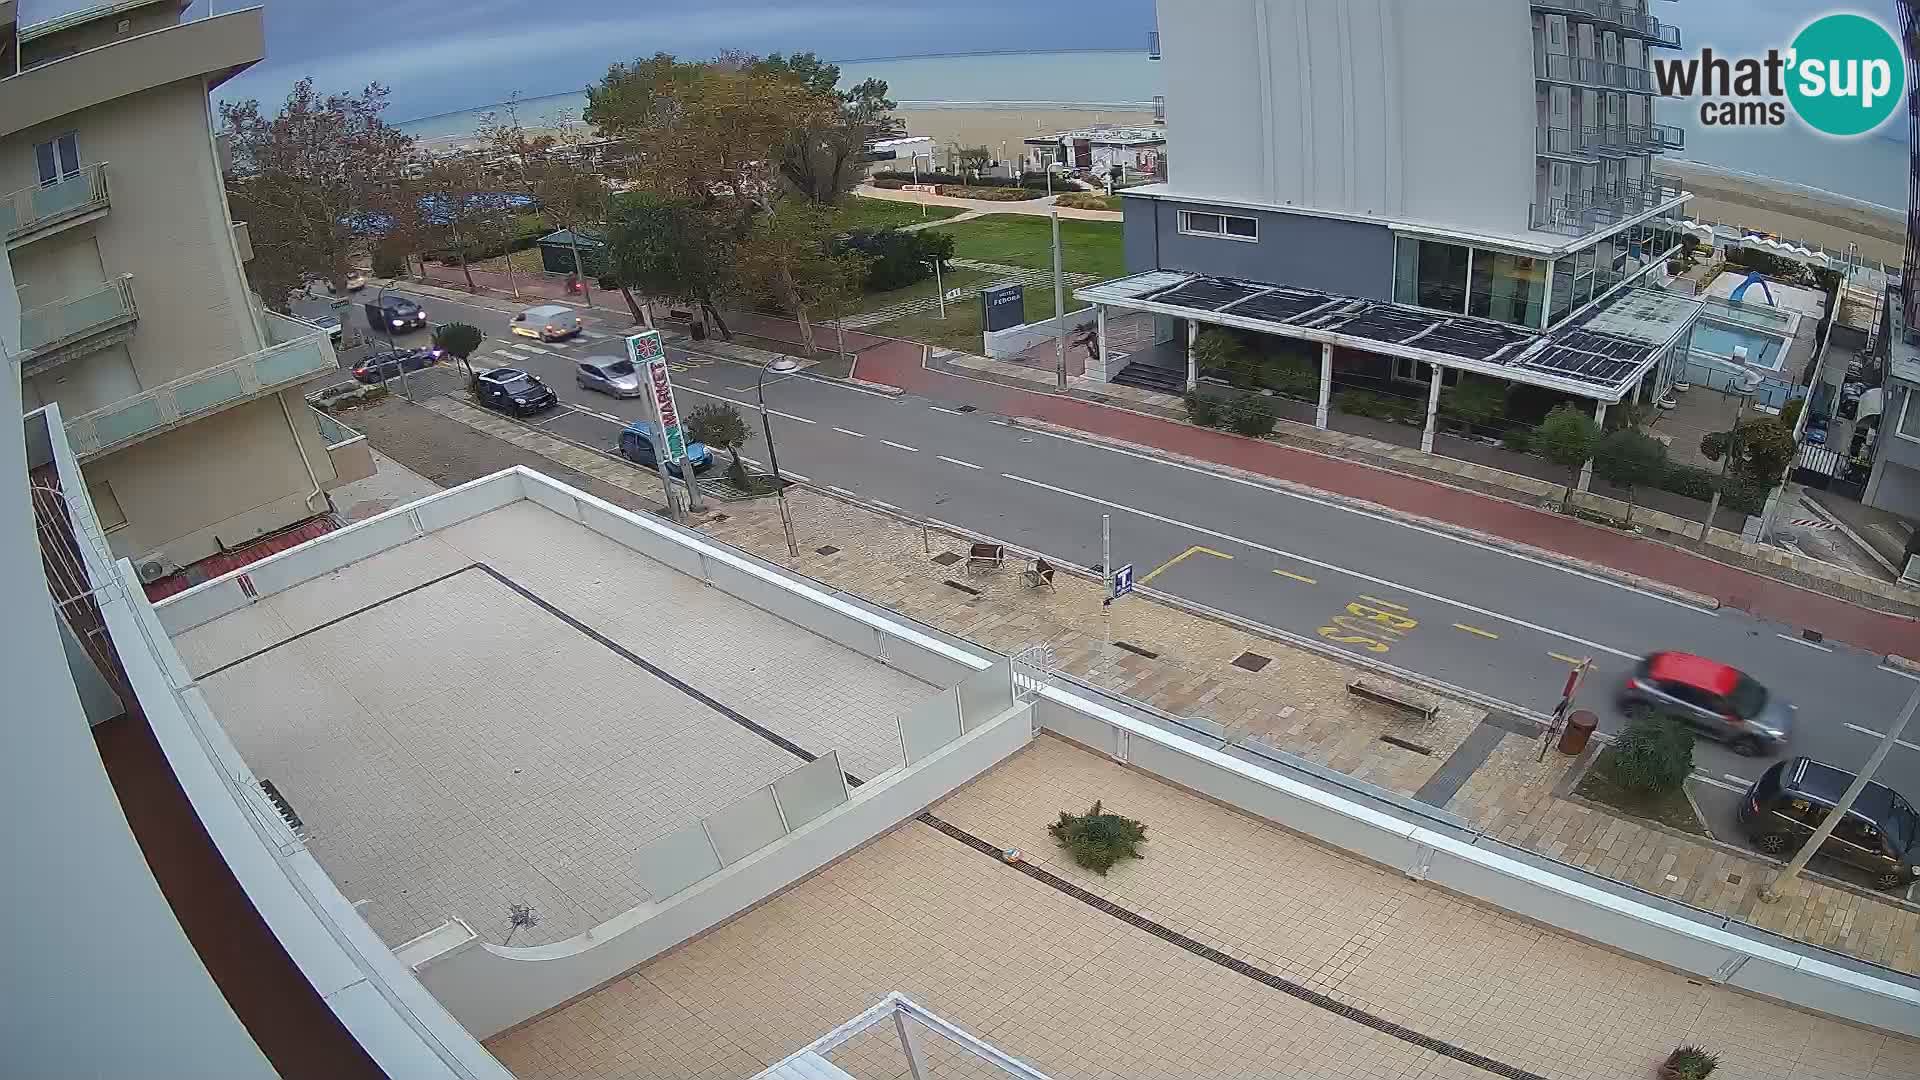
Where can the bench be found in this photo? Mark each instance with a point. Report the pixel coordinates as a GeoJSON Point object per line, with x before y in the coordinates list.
{"type": "Point", "coordinates": [985, 557]}
{"type": "Point", "coordinates": [1394, 697]}
{"type": "Point", "coordinates": [1040, 574]}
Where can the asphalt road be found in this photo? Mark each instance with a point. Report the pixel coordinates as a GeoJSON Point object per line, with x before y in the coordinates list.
{"type": "Point", "coordinates": [1501, 624]}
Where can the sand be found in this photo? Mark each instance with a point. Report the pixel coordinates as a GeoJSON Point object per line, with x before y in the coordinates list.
{"type": "Point", "coordinates": [1790, 212]}
{"type": "Point", "coordinates": [992, 127]}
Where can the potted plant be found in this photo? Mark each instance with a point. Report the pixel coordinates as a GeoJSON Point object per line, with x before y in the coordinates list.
{"type": "Point", "coordinates": [1689, 1063]}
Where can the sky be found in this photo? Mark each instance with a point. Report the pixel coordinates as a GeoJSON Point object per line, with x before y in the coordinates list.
{"type": "Point", "coordinates": [444, 55]}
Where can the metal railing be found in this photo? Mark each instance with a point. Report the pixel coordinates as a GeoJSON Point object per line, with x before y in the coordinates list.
{"type": "Point", "coordinates": [911, 1024]}
{"type": "Point", "coordinates": [41, 205]}
{"type": "Point", "coordinates": [1580, 212]}
{"type": "Point", "coordinates": [1604, 12]}
{"type": "Point", "coordinates": [203, 392]}
{"type": "Point", "coordinates": [1153, 44]}
{"type": "Point", "coordinates": [1159, 108]}
{"type": "Point", "coordinates": [333, 431]}
{"type": "Point", "coordinates": [1583, 143]}
{"type": "Point", "coordinates": [71, 317]}
{"type": "Point", "coordinates": [1668, 137]}
{"type": "Point", "coordinates": [1588, 71]}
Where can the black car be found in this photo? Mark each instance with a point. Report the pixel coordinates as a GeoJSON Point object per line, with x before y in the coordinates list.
{"type": "Point", "coordinates": [382, 366]}
{"type": "Point", "coordinates": [1880, 834]}
{"type": "Point", "coordinates": [395, 315]}
{"type": "Point", "coordinates": [514, 391]}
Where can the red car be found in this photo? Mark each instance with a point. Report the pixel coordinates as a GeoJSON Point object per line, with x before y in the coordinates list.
{"type": "Point", "coordinates": [1718, 701]}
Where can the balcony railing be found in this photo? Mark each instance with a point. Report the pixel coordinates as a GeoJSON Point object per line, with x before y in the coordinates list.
{"type": "Point", "coordinates": [1668, 137]}
{"type": "Point", "coordinates": [1580, 143]}
{"type": "Point", "coordinates": [1153, 44]}
{"type": "Point", "coordinates": [1611, 14]}
{"type": "Point", "coordinates": [32, 209]}
{"type": "Point", "coordinates": [204, 392]}
{"type": "Point", "coordinates": [1578, 213]}
{"type": "Point", "coordinates": [1159, 108]}
{"type": "Point", "coordinates": [49, 326]}
{"type": "Point", "coordinates": [1587, 71]}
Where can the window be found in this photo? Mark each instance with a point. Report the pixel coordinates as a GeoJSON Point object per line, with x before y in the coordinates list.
{"type": "Point", "coordinates": [1431, 274]}
{"type": "Point", "coordinates": [1510, 288]}
{"type": "Point", "coordinates": [58, 158]}
{"type": "Point", "coordinates": [1406, 370]}
{"type": "Point", "coordinates": [1231, 226]}
{"type": "Point", "coordinates": [1854, 830]}
{"type": "Point", "coordinates": [1805, 811]}
{"type": "Point", "coordinates": [106, 506]}
{"type": "Point", "coordinates": [1909, 426]}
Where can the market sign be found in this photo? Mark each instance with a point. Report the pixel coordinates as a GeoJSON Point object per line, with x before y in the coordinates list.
{"type": "Point", "coordinates": [649, 353]}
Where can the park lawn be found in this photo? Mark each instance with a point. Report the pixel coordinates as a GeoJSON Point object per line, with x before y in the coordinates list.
{"type": "Point", "coordinates": [860, 212]}
{"type": "Point", "coordinates": [1086, 247]}
{"type": "Point", "coordinates": [960, 330]}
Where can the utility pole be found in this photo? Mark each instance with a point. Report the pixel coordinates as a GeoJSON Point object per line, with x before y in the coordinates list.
{"type": "Point", "coordinates": [1771, 893]}
{"type": "Point", "coordinates": [1059, 311]}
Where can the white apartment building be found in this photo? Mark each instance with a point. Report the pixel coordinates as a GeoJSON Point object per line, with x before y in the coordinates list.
{"type": "Point", "coordinates": [180, 391]}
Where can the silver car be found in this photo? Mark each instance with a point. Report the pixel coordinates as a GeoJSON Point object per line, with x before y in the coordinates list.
{"type": "Point", "coordinates": [609, 375]}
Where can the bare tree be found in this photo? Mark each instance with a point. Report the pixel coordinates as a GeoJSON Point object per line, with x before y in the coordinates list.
{"type": "Point", "coordinates": [549, 167]}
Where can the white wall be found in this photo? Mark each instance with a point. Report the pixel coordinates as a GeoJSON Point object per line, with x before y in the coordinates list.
{"type": "Point", "coordinates": [1014, 340]}
{"type": "Point", "coordinates": [1406, 109]}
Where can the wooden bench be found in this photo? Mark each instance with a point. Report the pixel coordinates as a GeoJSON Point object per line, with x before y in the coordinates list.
{"type": "Point", "coordinates": [985, 557]}
{"type": "Point", "coordinates": [1040, 574]}
{"type": "Point", "coordinates": [1394, 697]}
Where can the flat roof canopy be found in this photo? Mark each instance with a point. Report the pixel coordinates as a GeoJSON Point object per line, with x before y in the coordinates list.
{"type": "Point", "coordinates": [1603, 354]}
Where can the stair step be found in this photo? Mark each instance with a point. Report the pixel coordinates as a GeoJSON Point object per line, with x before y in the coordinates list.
{"type": "Point", "coordinates": [1150, 377]}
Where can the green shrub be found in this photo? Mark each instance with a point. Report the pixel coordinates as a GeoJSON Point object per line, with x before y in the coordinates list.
{"type": "Point", "coordinates": [1692, 1063]}
{"type": "Point", "coordinates": [890, 185]}
{"type": "Point", "coordinates": [1654, 754]}
{"type": "Point", "coordinates": [1251, 416]}
{"type": "Point", "coordinates": [1690, 480]}
{"type": "Point", "coordinates": [1097, 840]}
{"type": "Point", "coordinates": [1204, 410]}
{"type": "Point", "coordinates": [1475, 402]}
{"type": "Point", "coordinates": [1790, 412]}
{"type": "Point", "coordinates": [1517, 439]}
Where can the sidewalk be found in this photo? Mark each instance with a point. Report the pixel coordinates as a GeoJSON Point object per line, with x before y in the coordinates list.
{"type": "Point", "coordinates": [1477, 767]}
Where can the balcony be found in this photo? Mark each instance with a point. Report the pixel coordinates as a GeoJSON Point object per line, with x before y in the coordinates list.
{"type": "Point", "coordinates": [293, 360]}
{"type": "Point", "coordinates": [44, 209]}
{"type": "Point", "coordinates": [1159, 108]}
{"type": "Point", "coordinates": [1153, 44]}
{"type": "Point", "coordinates": [1573, 144]}
{"type": "Point", "coordinates": [1612, 16]}
{"type": "Point", "coordinates": [74, 326]}
{"type": "Point", "coordinates": [1589, 73]}
{"type": "Point", "coordinates": [1668, 137]}
{"type": "Point", "coordinates": [347, 449]}
{"type": "Point", "coordinates": [1578, 213]}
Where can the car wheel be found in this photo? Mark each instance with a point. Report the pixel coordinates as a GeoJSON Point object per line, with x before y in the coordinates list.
{"type": "Point", "coordinates": [1749, 747]}
{"type": "Point", "coordinates": [1889, 879]}
{"type": "Point", "coordinates": [1773, 843]}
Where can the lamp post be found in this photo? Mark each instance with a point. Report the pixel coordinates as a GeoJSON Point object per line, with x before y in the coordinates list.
{"type": "Point", "coordinates": [939, 284]}
{"type": "Point", "coordinates": [406, 377]}
{"type": "Point", "coordinates": [779, 365]}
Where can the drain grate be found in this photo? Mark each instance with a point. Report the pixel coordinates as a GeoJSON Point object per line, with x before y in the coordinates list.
{"type": "Point", "coordinates": [1136, 650]}
{"type": "Point", "coordinates": [827, 549]}
{"type": "Point", "coordinates": [1733, 879]}
{"type": "Point", "coordinates": [946, 558]}
{"type": "Point", "coordinates": [968, 408]}
{"type": "Point", "coordinates": [1405, 745]}
{"type": "Point", "coordinates": [968, 589]}
{"type": "Point", "coordinates": [1251, 661]}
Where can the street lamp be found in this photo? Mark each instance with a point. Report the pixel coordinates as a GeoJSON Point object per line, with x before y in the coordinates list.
{"type": "Point", "coordinates": [939, 284]}
{"type": "Point", "coordinates": [779, 365]}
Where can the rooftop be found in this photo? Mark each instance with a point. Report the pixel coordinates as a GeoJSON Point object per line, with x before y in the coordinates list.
{"type": "Point", "coordinates": [1111, 136]}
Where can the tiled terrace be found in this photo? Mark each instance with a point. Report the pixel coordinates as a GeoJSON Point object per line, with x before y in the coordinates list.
{"type": "Point", "coordinates": [457, 740]}
{"type": "Point", "coordinates": [1045, 975]}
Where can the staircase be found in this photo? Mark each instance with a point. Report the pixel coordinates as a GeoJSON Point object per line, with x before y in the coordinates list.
{"type": "Point", "coordinates": [1160, 380]}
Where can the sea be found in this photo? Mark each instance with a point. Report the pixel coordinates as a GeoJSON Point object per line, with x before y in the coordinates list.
{"type": "Point", "coordinates": [1870, 169]}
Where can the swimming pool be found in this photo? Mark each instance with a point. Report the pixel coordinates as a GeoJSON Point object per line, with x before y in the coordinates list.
{"type": "Point", "coordinates": [1718, 339]}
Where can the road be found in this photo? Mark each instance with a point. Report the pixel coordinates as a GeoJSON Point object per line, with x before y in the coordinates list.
{"type": "Point", "coordinates": [1501, 624]}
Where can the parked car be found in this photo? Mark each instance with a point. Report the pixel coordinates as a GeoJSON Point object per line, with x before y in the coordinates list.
{"type": "Point", "coordinates": [389, 364]}
{"type": "Point", "coordinates": [1816, 432]}
{"type": "Point", "coordinates": [395, 314]}
{"type": "Point", "coordinates": [1880, 834]}
{"type": "Point", "coordinates": [356, 281]}
{"type": "Point", "coordinates": [511, 390]}
{"type": "Point", "coordinates": [548, 322]}
{"type": "Point", "coordinates": [609, 375]}
{"type": "Point", "coordinates": [1718, 701]}
{"type": "Point", "coordinates": [636, 445]}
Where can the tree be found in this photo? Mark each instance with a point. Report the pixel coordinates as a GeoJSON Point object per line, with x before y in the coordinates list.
{"type": "Point", "coordinates": [819, 161]}
{"type": "Point", "coordinates": [458, 340]}
{"type": "Point", "coordinates": [1654, 754]}
{"type": "Point", "coordinates": [466, 206]}
{"type": "Point", "coordinates": [1628, 458]}
{"type": "Point", "coordinates": [549, 169]}
{"type": "Point", "coordinates": [311, 179]}
{"type": "Point", "coordinates": [1566, 438]}
{"type": "Point", "coordinates": [961, 159]}
{"type": "Point", "coordinates": [1761, 449]}
{"type": "Point", "coordinates": [786, 255]}
{"type": "Point", "coordinates": [674, 249]}
{"type": "Point", "coordinates": [721, 427]}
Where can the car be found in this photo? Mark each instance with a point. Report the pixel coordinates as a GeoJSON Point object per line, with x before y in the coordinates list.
{"type": "Point", "coordinates": [395, 314]}
{"type": "Point", "coordinates": [609, 375]}
{"type": "Point", "coordinates": [636, 445]}
{"type": "Point", "coordinates": [356, 281]}
{"type": "Point", "coordinates": [1716, 700]}
{"type": "Point", "coordinates": [381, 366]}
{"type": "Point", "coordinates": [548, 322]}
{"type": "Point", "coordinates": [1880, 834]}
{"type": "Point", "coordinates": [511, 390]}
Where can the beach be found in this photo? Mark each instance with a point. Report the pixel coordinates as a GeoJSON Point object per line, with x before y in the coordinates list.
{"type": "Point", "coordinates": [991, 125]}
{"type": "Point", "coordinates": [1792, 212]}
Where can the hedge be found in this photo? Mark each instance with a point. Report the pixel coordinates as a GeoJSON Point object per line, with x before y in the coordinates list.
{"type": "Point", "coordinates": [1035, 181]}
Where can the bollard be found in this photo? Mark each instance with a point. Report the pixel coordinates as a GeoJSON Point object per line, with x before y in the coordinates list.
{"type": "Point", "coordinates": [1579, 729]}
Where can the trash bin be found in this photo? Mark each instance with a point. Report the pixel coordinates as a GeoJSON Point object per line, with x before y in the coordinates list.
{"type": "Point", "coordinates": [1573, 737]}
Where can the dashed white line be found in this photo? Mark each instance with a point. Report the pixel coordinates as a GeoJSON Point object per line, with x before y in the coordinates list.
{"type": "Point", "coordinates": [949, 412]}
{"type": "Point", "coordinates": [702, 382]}
{"type": "Point", "coordinates": [1741, 780]}
{"type": "Point", "coordinates": [790, 416]}
{"type": "Point", "coordinates": [957, 461]}
{"type": "Point", "coordinates": [842, 491]}
{"type": "Point", "coordinates": [1891, 670]}
{"type": "Point", "coordinates": [1703, 778]}
{"type": "Point", "coordinates": [999, 423]}
{"type": "Point", "coordinates": [901, 446]}
{"type": "Point", "coordinates": [885, 505]}
{"type": "Point", "coordinates": [1870, 733]}
{"type": "Point", "coordinates": [1804, 641]}
{"type": "Point", "coordinates": [609, 416]}
{"type": "Point", "coordinates": [844, 431]}
{"type": "Point", "coordinates": [1384, 582]}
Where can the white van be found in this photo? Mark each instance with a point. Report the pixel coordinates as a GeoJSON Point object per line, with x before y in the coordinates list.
{"type": "Point", "coordinates": [548, 322]}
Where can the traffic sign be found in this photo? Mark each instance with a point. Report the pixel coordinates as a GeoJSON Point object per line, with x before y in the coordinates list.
{"type": "Point", "coordinates": [1122, 581]}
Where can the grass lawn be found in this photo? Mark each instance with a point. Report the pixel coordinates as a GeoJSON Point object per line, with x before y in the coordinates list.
{"type": "Point", "coordinates": [1087, 247]}
{"type": "Point", "coordinates": [1671, 809]}
{"type": "Point", "coordinates": [860, 212]}
{"type": "Point", "coordinates": [960, 330]}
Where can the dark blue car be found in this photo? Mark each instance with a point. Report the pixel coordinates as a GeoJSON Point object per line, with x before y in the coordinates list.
{"type": "Point", "coordinates": [636, 445]}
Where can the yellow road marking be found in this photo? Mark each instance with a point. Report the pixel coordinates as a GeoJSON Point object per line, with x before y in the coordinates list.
{"type": "Point", "coordinates": [1476, 631]}
{"type": "Point", "coordinates": [1296, 577]}
{"type": "Point", "coordinates": [1170, 563]}
{"type": "Point", "coordinates": [1574, 660]}
{"type": "Point", "coordinates": [1382, 603]}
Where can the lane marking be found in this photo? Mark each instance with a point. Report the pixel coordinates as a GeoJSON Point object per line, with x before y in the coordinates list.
{"type": "Point", "coordinates": [957, 461]}
{"type": "Point", "coordinates": [1741, 780]}
{"type": "Point", "coordinates": [610, 416]}
{"type": "Point", "coordinates": [1476, 631]}
{"type": "Point", "coordinates": [844, 431]}
{"type": "Point", "coordinates": [1804, 641]}
{"type": "Point", "coordinates": [901, 446]}
{"type": "Point", "coordinates": [1576, 661]}
{"type": "Point", "coordinates": [702, 382]}
{"type": "Point", "coordinates": [1374, 515]}
{"type": "Point", "coordinates": [1891, 670]}
{"type": "Point", "coordinates": [1870, 733]}
{"type": "Point", "coordinates": [999, 423]}
{"type": "Point", "coordinates": [1395, 585]}
{"type": "Point", "coordinates": [1297, 577]}
{"type": "Point", "coordinates": [789, 416]}
{"type": "Point", "coordinates": [1712, 782]}
{"type": "Point", "coordinates": [949, 412]}
{"type": "Point", "coordinates": [1171, 563]}
{"type": "Point", "coordinates": [841, 490]}
{"type": "Point", "coordinates": [741, 389]}
{"type": "Point", "coordinates": [1380, 602]}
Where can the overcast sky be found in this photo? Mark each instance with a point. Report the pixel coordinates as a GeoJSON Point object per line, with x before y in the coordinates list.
{"type": "Point", "coordinates": [443, 55]}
